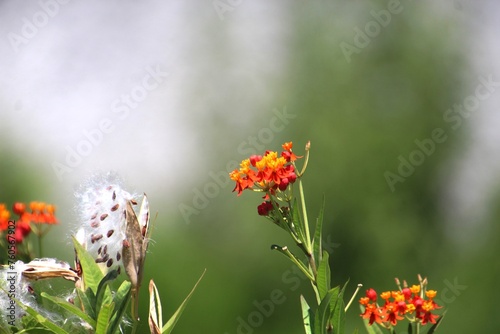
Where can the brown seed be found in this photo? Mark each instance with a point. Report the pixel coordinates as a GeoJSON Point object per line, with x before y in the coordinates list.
{"type": "Point", "coordinates": [114, 195]}
{"type": "Point", "coordinates": [115, 207]}
{"type": "Point", "coordinates": [126, 243]}
{"type": "Point", "coordinates": [119, 270]}
{"type": "Point", "coordinates": [99, 250]}
{"type": "Point", "coordinates": [105, 249]}
{"type": "Point", "coordinates": [133, 202]}
{"type": "Point", "coordinates": [110, 233]}
{"type": "Point", "coordinates": [99, 260]}
{"type": "Point", "coordinates": [105, 257]}
{"type": "Point", "coordinates": [109, 263]}
{"type": "Point", "coordinates": [143, 232]}
{"type": "Point", "coordinates": [94, 224]}
{"type": "Point", "coordinates": [118, 256]}
{"type": "Point", "coordinates": [93, 216]}
{"type": "Point", "coordinates": [78, 266]}
{"type": "Point", "coordinates": [95, 237]}
{"type": "Point", "coordinates": [103, 216]}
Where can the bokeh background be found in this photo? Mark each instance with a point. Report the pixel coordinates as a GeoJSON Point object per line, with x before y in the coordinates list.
{"type": "Point", "coordinates": [182, 91]}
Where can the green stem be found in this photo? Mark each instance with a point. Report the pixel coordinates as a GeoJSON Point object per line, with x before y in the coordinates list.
{"type": "Point", "coordinates": [134, 326]}
{"type": "Point", "coordinates": [308, 245]}
{"type": "Point", "coordinates": [306, 221]}
{"type": "Point", "coordinates": [40, 246]}
{"type": "Point", "coordinates": [285, 251]}
{"type": "Point", "coordinates": [353, 296]}
{"type": "Point", "coordinates": [312, 263]}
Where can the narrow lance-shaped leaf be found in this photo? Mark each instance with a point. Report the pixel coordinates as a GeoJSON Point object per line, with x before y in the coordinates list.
{"type": "Point", "coordinates": [298, 223]}
{"type": "Point", "coordinates": [92, 274]}
{"type": "Point", "coordinates": [318, 235]}
{"type": "Point", "coordinates": [120, 299]}
{"type": "Point", "coordinates": [307, 316]}
{"type": "Point", "coordinates": [338, 315]}
{"type": "Point", "coordinates": [103, 295]}
{"type": "Point", "coordinates": [173, 320]}
{"type": "Point", "coordinates": [435, 326]}
{"type": "Point", "coordinates": [46, 323]}
{"type": "Point", "coordinates": [322, 316]}
{"type": "Point", "coordinates": [87, 302]}
{"type": "Point", "coordinates": [103, 319]}
{"type": "Point", "coordinates": [71, 308]}
{"type": "Point", "coordinates": [323, 276]}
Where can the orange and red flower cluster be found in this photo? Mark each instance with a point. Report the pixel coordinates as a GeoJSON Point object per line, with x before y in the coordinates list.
{"type": "Point", "coordinates": [41, 213]}
{"type": "Point", "coordinates": [408, 302]}
{"type": "Point", "coordinates": [266, 173]}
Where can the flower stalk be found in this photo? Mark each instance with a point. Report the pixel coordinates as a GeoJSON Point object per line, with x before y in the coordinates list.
{"type": "Point", "coordinates": [275, 175]}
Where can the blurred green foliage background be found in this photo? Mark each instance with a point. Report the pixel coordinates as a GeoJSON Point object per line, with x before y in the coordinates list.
{"type": "Point", "coordinates": [361, 113]}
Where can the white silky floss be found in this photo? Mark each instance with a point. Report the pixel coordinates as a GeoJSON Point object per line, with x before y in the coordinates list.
{"type": "Point", "coordinates": [102, 208]}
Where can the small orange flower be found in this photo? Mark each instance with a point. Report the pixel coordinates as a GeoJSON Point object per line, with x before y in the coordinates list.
{"type": "Point", "coordinates": [393, 314]}
{"type": "Point", "coordinates": [287, 153]}
{"type": "Point", "coordinates": [374, 313]}
{"type": "Point", "coordinates": [4, 217]}
{"type": "Point", "coordinates": [415, 289]}
{"type": "Point", "coordinates": [364, 300]}
{"type": "Point", "coordinates": [385, 295]}
{"type": "Point", "coordinates": [431, 294]}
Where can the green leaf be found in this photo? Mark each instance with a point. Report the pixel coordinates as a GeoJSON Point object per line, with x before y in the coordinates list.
{"type": "Point", "coordinates": [435, 326]}
{"type": "Point", "coordinates": [70, 308]}
{"type": "Point", "coordinates": [121, 300]}
{"type": "Point", "coordinates": [307, 316]}
{"type": "Point", "coordinates": [298, 222]}
{"type": "Point", "coordinates": [103, 319]}
{"type": "Point", "coordinates": [87, 300]}
{"type": "Point", "coordinates": [322, 316]}
{"type": "Point", "coordinates": [103, 295]}
{"type": "Point", "coordinates": [323, 276]}
{"type": "Point", "coordinates": [337, 307]}
{"type": "Point", "coordinates": [42, 320]}
{"type": "Point", "coordinates": [373, 328]}
{"type": "Point", "coordinates": [317, 246]}
{"type": "Point", "coordinates": [173, 320]}
{"type": "Point", "coordinates": [28, 323]}
{"type": "Point", "coordinates": [92, 274]}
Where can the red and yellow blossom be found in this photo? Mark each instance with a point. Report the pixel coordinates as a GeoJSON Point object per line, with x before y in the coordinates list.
{"type": "Point", "coordinates": [269, 172]}
{"type": "Point", "coordinates": [409, 302]}
{"type": "Point", "coordinates": [41, 213]}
